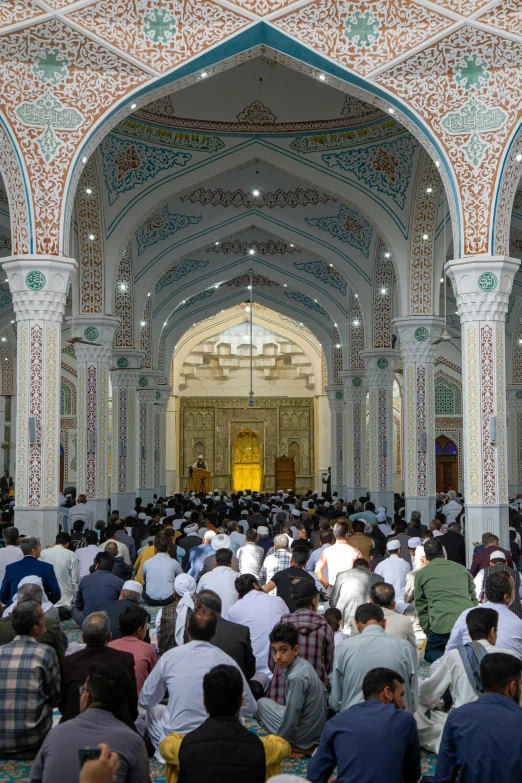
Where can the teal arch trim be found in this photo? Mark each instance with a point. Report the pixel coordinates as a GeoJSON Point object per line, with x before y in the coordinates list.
{"type": "Point", "coordinates": [263, 33]}
{"type": "Point", "coordinates": [27, 199]}
{"type": "Point", "coordinates": [514, 137]}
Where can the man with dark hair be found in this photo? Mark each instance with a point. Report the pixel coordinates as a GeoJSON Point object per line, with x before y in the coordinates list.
{"type": "Point", "coordinates": [454, 543]}
{"type": "Point", "coordinates": [221, 579]}
{"type": "Point", "coordinates": [370, 649]}
{"type": "Point", "coordinates": [259, 612]}
{"type": "Point", "coordinates": [87, 553]}
{"type": "Point", "coordinates": [180, 671]}
{"type": "Point", "coordinates": [29, 685]}
{"type": "Point", "coordinates": [96, 635]}
{"type": "Point", "coordinates": [222, 748]}
{"type": "Point", "coordinates": [65, 567]}
{"type": "Point", "coordinates": [459, 672]}
{"type": "Point", "coordinates": [102, 696]}
{"type": "Point", "coordinates": [285, 581]}
{"type": "Point", "coordinates": [134, 622]}
{"type": "Point", "coordinates": [374, 740]}
{"type": "Point", "coordinates": [397, 624]}
{"type": "Point", "coordinates": [443, 590]}
{"type": "Point", "coordinates": [351, 589]}
{"type": "Point", "coordinates": [481, 740]}
{"type": "Point", "coordinates": [482, 557]}
{"type": "Point", "coordinates": [29, 565]}
{"type": "Point", "coordinates": [499, 594]}
{"type": "Point", "coordinates": [232, 638]}
{"type": "Point", "coordinates": [96, 588]}
{"type": "Point", "coordinates": [159, 574]}
{"type": "Point", "coordinates": [123, 537]}
{"type": "Point", "coordinates": [11, 552]}
{"type": "Point", "coordinates": [301, 720]}
{"type": "Point", "coordinates": [316, 638]}
{"type": "Point", "coordinates": [336, 558]}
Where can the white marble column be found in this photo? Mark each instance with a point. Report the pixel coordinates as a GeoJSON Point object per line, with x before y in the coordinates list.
{"type": "Point", "coordinates": [354, 462]}
{"type": "Point", "coordinates": [94, 363]}
{"type": "Point", "coordinates": [145, 457]}
{"type": "Point", "coordinates": [417, 335]}
{"type": "Point", "coordinates": [514, 436]}
{"type": "Point", "coordinates": [482, 285]}
{"type": "Point", "coordinates": [380, 368]}
{"type": "Point", "coordinates": [124, 378]}
{"type": "Point", "coordinates": [336, 402]}
{"type": "Point", "coordinates": [38, 286]}
{"type": "Point", "coordinates": [160, 440]}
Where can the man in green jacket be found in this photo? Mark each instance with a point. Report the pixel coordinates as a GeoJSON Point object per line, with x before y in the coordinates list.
{"type": "Point", "coordinates": [53, 636]}
{"type": "Point", "coordinates": [443, 589]}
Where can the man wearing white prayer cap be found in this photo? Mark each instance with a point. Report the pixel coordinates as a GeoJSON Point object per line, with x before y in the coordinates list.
{"type": "Point", "coordinates": [382, 523]}
{"type": "Point", "coordinates": [199, 553]}
{"type": "Point", "coordinates": [167, 617]}
{"type": "Point", "coordinates": [200, 462]}
{"type": "Point", "coordinates": [393, 569]}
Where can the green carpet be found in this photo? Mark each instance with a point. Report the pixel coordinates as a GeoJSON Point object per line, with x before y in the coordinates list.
{"type": "Point", "coordinates": [18, 771]}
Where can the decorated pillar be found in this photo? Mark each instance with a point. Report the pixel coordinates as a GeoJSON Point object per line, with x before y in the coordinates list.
{"type": "Point", "coordinates": [336, 402]}
{"type": "Point", "coordinates": [514, 439]}
{"type": "Point", "coordinates": [354, 462]}
{"type": "Point", "coordinates": [417, 335]}
{"type": "Point", "coordinates": [160, 440]}
{"type": "Point", "coordinates": [380, 368]}
{"type": "Point", "coordinates": [125, 373]}
{"type": "Point", "coordinates": [482, 285]}
{"type": "Point", "coordinates": [145, 442]}
{"type": "Point", "coordinates": [38, 286]}
{"type": "Point", "coordinates": [94, 356]}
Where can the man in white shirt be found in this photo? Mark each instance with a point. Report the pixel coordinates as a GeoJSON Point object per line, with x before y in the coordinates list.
{"type": "Point", "coordinates": [65, 567]}
{"type": "Point", "coordinates": [81, 511]}
{"type": "Point", "coordinates": [393, 570]}
{"type": "Point", "coordinates": [382, 524]}
{"type": "Point", "coordinates": [259, 612]}
{"type": "Point", "coordinates": [11, 552]}
{"type": "Point", "coordinates": [180, 671]}
{"type": "Point", "coordinates": [159, 574]}
{"type": "Point", "coordinates": [498, 559]}
{"type": "Point", "coordinates": [235, 536]}
{"type": "Point", "coordinates": [123, 549]}
{"type": "Point", "coordinates": [452, 508]}
{"type": "Point", "coordinates": [452, 672]}
{"type": "Point", "coordinates": [339, 557]}
{"type": "Point", "coordinates": [250, 556]}
{"type": "Point", "coordinates": [500, 590]}
{"type": "Point", "coordinates": [86, 554]}
{"type": "Point", "coordinates": [221, 580]}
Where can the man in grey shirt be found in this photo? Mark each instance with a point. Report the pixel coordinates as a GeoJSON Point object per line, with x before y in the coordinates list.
{"type": "Point", "coordinates": [11, 551]}
{"type": "Point", "coordinates": [102, 695]}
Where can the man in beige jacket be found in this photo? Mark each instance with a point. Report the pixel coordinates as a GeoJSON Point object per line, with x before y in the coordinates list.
{"type": "Point", "coordinates": [397, 624]}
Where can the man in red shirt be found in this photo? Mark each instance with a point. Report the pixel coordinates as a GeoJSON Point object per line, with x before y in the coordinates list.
{"type": "Point", "coordinates": [133, 625]}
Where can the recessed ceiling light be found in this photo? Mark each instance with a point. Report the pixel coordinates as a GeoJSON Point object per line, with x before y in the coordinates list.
{"type": "Point", "coordinates": [392, 111]}
{"type": "Point", "coordinates": [520, 341]}
{"type": "Point", "coordinates": [84, 159]}
{"type": "Point", "coordinates": [123, 287]}
{"type": "Point", "coordinates": [338, 345]}
{"type": "Point", "coordinates": [291, 245]}
{"type": "Point", "coordinates": [255, 192]}
{"type": "Point", "coordinates": [133, 105]}
{"type": "Point", "coordinates": [217, 285]}
{"type": "Point", "coordinates": [383, 291]}
{"type": "Point", "coordinates": [216, 243]}
{"type": "Point", "coordinates": [285, 285]}
{"type": "Point", "coordinates": [437, 163]}
{"type": "Point", "coordinates": [425, 236]}
{"type": "Point", "coordinates": [301, 323]}
{"type": "Point", "coordinates": [164, 324]}
{"type": "Point", "coordinates": [222, 311]}
{"type": "Point", "coordinates": [356, 322]}
{"type": "Point", "coordinates": [4, 339]}
{"type": "Point", "coordinates": [331, 266]}
{"type": "Point", "coordinates": [247, 309]}
{"type": "Point", "coordinates": [251, 251]}
{"type": "Point", "coordinates": [6, 359]}
{"type": "Point", "coordinates": [441, 279]}
{"type": "Point", "coordinates": [322, 77]}
{"type": "Point", "coordinates": [204, 74]}
{"type": "Point", "coordinates": [428, 190]}
{"type": "Point", "coordinates": [143, 323]}
{"type": "Point", "coordinates": [245, 337]}
{"type": "Point", "coordinates": [519, 157]}
{"type": "Point", "coordinates": [315, 300]}
{"type": "Point", "coordinates": [249, 287]}
{"type": "Point", "coordinates": [88, 191]}
{"type": "Point", "coordinates": [91, 237]}
{"type": "Point", "coordinates": [386, 255]}
{"type": "Point", "coordinates": [183, 302]}
{"type": "Point", "coordinates": [12, 322]}
{"type": "Point", "coordinates": [356, 296]}
{"type": "Point", "coordinates": [148, 294]}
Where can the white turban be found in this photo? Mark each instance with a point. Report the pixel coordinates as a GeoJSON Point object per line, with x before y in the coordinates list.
{"type": "Point", "coordinates": [32, 579]}
{"type": "Point", "coordinates": [185, 586]}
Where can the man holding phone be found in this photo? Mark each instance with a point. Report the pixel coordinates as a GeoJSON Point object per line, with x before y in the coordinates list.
{"type": "Point", "coordinates": [69, 745]}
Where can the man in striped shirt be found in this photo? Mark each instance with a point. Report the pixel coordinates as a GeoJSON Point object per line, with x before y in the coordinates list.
{"type": "Point", "coordinates": [278, 561]}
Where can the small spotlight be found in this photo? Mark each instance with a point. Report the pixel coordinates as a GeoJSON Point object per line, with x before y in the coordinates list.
{"type": "Point", "coordinates": [247, 309]}
{"type": "Point", "coordinates": [84, 159]}
{"type": "Point", "coordinates": [183, 301]}
{"type": "Point", "coordinates": [338, 345]}
{"type": "Point", "coordinates": [425, 236]}
{"type": "Point", "coordinates": [383, 291]}
{"type": "Point", "coordinates": [249, 287]}
{"type": "Point", "coordinates": [251, 251]}
{"type": "Point", "coordinates": [91, 237]}
{"type": "Point", "coordinates": [356, 322]}
{"type": "Point", "coordinates": [4, 339]}
{"type": "Point", "coordinates": [285, 285]}
{"type": "Point", "coordinates": [88, 191]}
{"type": "Point", "coordinates": [164, 324]}
{"type": "Point", "coordinates": [519, 157]}
{"type": "Point", "coordinates": [315, 300]}
{"type": "Point", "coordinates": [204, 75]}
{"type": "Point", "coordinates": [292, 245]}
{"type": "Point", "coordinates": [335, 324]}
{"type": "Point", "coordinates": [392, 111]}
{"type": "Point", "coordinates": [331, 266]}
{"type": "Point", "coordinates": [245, 337]}
{"type": "Point", "coordinates": [429, 190]}
{"type": "Point", "coordinates": [216, 243]}
{"type": "Point", "coordinates": [12, 322]}
{"type": "Point", "coordinates": [123, 287]}
{"type": "Point", "coordinates": [301, 323]}
{"type": "Point", "coordinates": [322, 77]}
{"type": "Point", "coordinates": [386, 255]}
{"type": "Point", "coordinates": [222, 311]}
{"type": "Point", "coordinates": [143, 323]}
{"type": "Point", "coordinates": [148, 294]}
{"type": "Point", "coordinates": [441, 279]}
{"type": "Point", "coordinates": [216, 286]}
{"type": "Point", "coordinates": [437, 163]}
{"type": "Point", "coordinates": [255, 192]}
{"type": "Point", "coordinates": [356, 296]}
{"type": "Point", "coordinates": [133, 105]}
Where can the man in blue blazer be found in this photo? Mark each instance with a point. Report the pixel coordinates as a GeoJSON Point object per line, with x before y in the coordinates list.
{"type": "Point", "coordinates": [30, 565]}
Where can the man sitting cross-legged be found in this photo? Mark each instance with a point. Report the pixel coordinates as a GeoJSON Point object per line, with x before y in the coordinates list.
{"type": "Point", "coordinates": [301, 721]}
{"type": "Point", "coordinates": [222, 748]}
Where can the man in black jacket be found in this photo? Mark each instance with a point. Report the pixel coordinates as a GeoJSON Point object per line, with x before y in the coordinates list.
{"type": "Point", "coordinates": [454, 543]}
{"type": "Point", "coordinates": [232, 638]}
{"type": "Point", "coordinates": [221, 748]}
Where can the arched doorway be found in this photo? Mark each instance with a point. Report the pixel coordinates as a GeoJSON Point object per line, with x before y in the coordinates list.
{"type": "Point", "coordinates": [446, 464]}
{"type": "Point", "coordinates": [246, 461]}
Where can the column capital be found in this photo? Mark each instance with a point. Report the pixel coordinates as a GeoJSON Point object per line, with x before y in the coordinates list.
{"type": "Point", "coordinates": [126, 377]}
{"type": "Point", "coordinates": [38, 285]}
{"type": "Point", "coordinates": [380, 365]}
{"type": "Point", "coordinates": [514, 396]}
{"type": "Point", "coordinates": [99, 330]}
{"type": "Point", "coordinates": [417, 335]}
{"type": "Point", "coordinates": [148, 380]}
{"type": "Point", "coordinates": [335, 397]}
{"type": "Point", "coordinates": [146, 395]}
{"type": "Point", "coordinates": [163, 396]}
{"type": "Point", "coordinates": [355, 384]}
{"type": "Point", "coordinates": [482, 285]}
{"type": "Point", "coordinates": [126, 358]}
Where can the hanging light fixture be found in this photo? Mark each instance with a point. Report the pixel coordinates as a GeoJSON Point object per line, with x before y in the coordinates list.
{"type": "Point", "coordinates": [251, 393]}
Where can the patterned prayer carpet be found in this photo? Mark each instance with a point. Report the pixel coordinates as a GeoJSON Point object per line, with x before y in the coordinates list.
{"type": "Point", "coordinates": [18, 771]}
